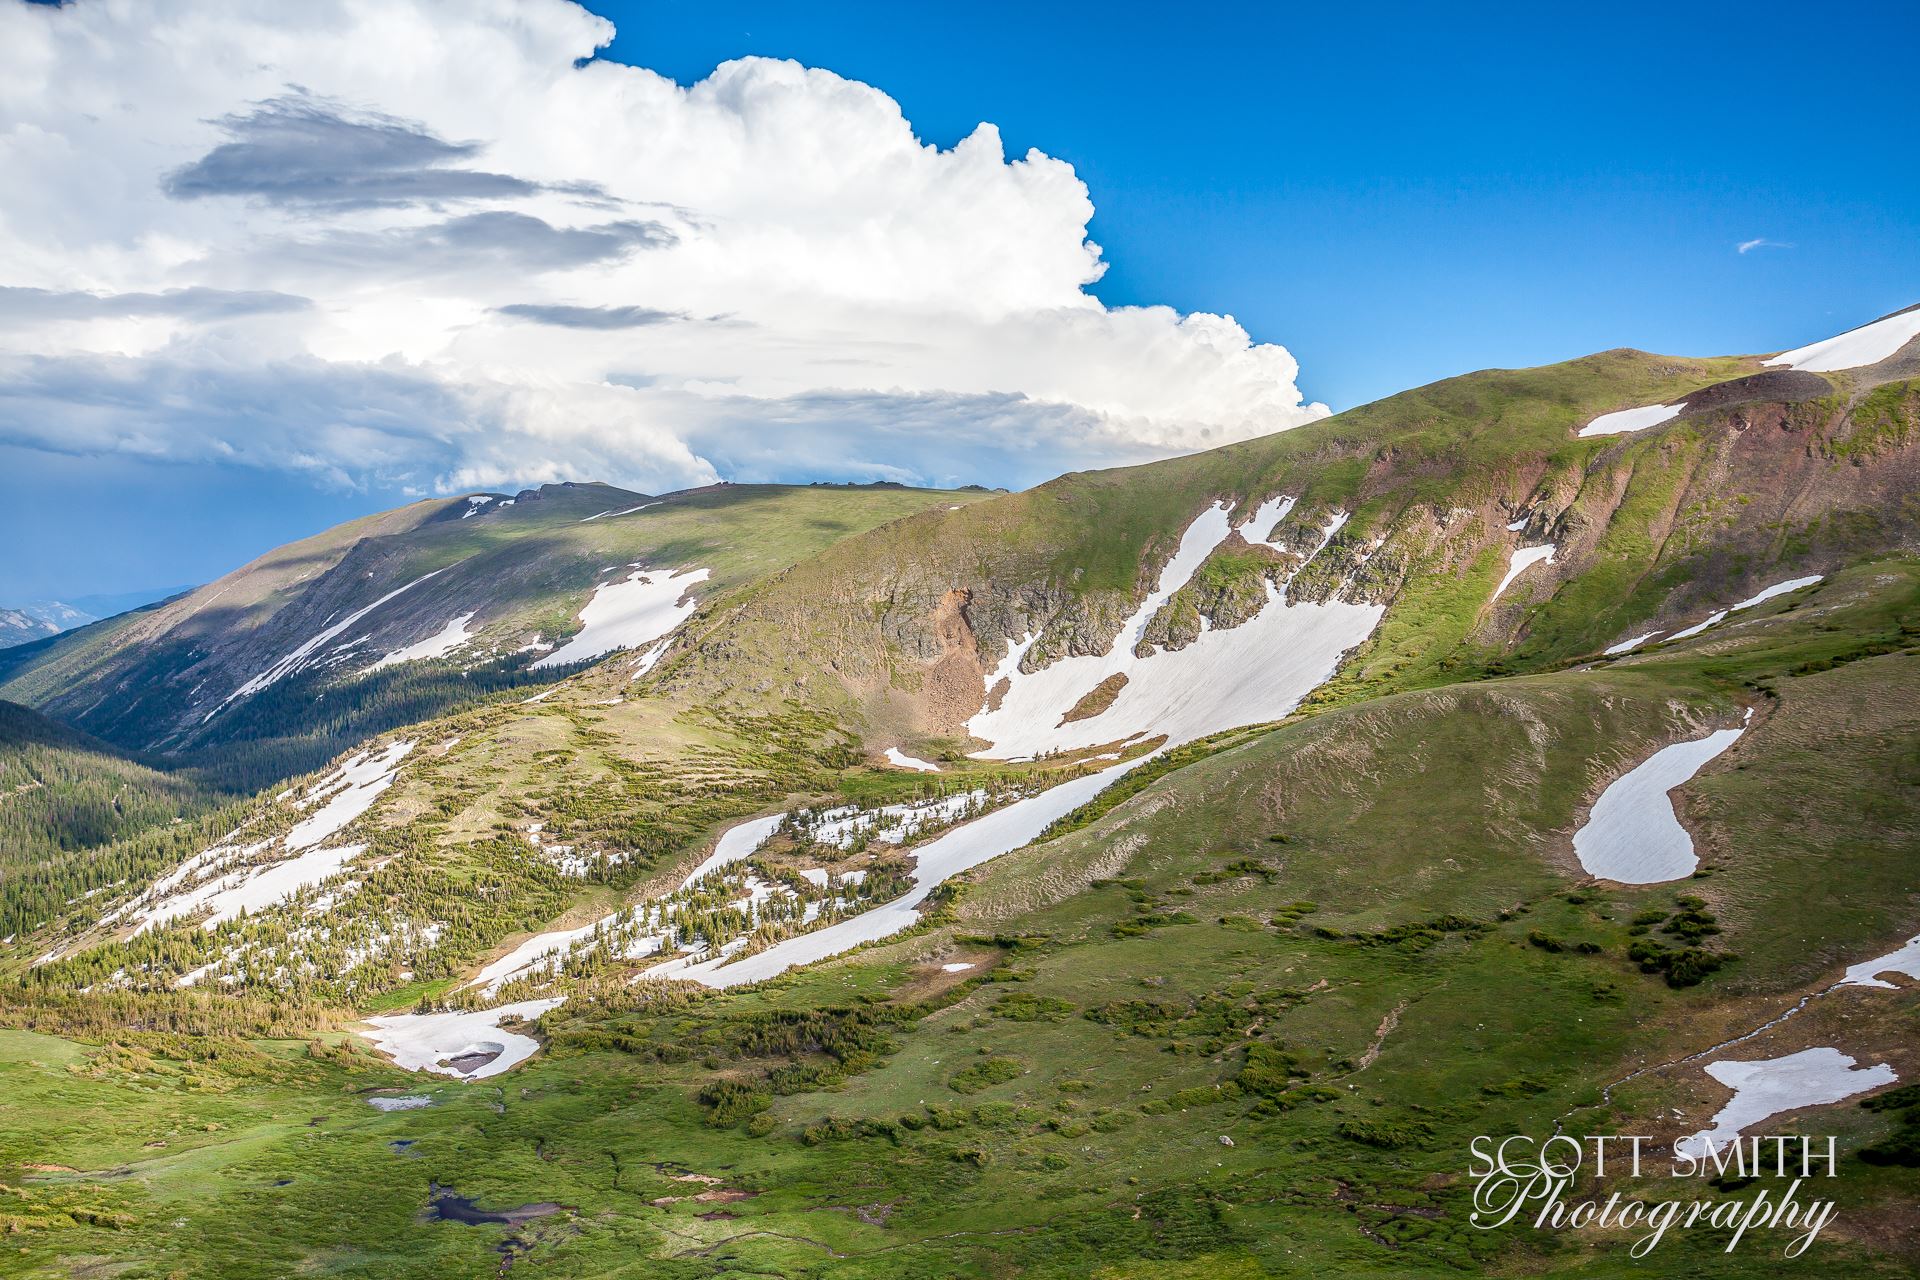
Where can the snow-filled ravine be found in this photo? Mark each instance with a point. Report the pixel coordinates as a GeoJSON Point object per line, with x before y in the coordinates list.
{"type": "Point", "coordinates": [228, 879]}
{"type": "Point", "coordinates": [1257, 671]}
{"type": "Point", "coordinates": [628, 613]}
{"type": "Point", "coordinates": [302, 655]}
{"type": "Point", "coordinates": [1524, 558]}
{"type": "Point", "coordinates": [1633, 835]}
{"type": "Point", "coordinates": [1869, 344]}
{"type": "Point", "coordinates": [1759, 597]}
{"type": "Point", "coordinates": [940, 859]}
{"type": "Point", "coordinates": [471, 1045]}
{"type": "Point", "coordinates": [1768, 1086]}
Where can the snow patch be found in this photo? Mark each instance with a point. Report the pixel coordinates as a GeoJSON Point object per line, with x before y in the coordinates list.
{"type": "Point", "coordinates": [1712, 620]}
{"type": "Point", "coordinates": [1768, 1086]}
{"type": "Point", "coordinates": [1633, 835]}
{"type": "Point", "coordinates": [349, 792]}
{"type": "Point", "coordinates": [523, 957]}
{"type": "Point", "coordinates": [438, 645]}
{"type": "Point", "coordinates": [1628, 646]}
{"type": "Point", "coordinates": [228, 879]}
{"type": "Point", "coordinates": [649, 659]}
{"type": "Point", "coordinates": [1777, 589]}
{"type": "Point", "coordinates": [256, 887]}
{"type": "Point", "coordinates": [1869, 344]}
{"type": "Point", "coordinates": [565, 858]}
{"type": "Point", "coordinates": [938, 860]}
{"type": "Point", "coordinates": [1524, 558]}
{"type": "Point", "coordinates": [433, 1041]}
{"type": "Point", "coordinates": [300, 656]}
{"type": "Point", "coordinates": [900, 759]}
{"type": "Point", "coordinates": [635, 611]}
{"type": "Point", "coordinates": [735, 843]}
{"type": "Point", "coordinates": [1625, 420]}
{"type": "Point", "coordinates": [614, 515]}
{"type": "Point", "coordinates": [893, 823]}
{"type": "Point", "coordinates": [1867, 973]}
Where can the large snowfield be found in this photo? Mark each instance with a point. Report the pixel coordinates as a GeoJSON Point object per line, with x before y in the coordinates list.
{"type": "Point", "coordinates": [1869, 344]}
{"type": "Point", "coordinates": [1768, 1086]}
{"type": "Point", "coordinates": [1633, 835]}
{"type": "Point", "coordinates": [628, 613]}
{"type": "Point", "coordinates": [1257, 671]}
{"type": "Point", "coordinates": [432, 1041]}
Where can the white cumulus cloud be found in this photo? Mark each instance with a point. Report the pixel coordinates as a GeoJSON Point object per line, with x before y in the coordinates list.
{"type": "Point", "coordinates": [439, 243]}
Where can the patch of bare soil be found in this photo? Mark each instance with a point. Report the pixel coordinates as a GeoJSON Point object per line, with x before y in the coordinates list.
{"type": "Point", "coordinates": [1774, 386]}
{"type": "Point", "coordinates": [951, 692]}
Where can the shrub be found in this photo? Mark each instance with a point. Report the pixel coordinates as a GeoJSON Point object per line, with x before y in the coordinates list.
{"type": "Point", "coordinates": [982, 1075]}
{"type": "Point", "coordinates": [728, 1102]}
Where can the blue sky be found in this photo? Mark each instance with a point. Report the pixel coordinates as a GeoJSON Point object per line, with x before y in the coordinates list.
{"type": "Point", "coordinates": [1392, 193]}
{"type": "Point", "coordinates": [1404, 192]}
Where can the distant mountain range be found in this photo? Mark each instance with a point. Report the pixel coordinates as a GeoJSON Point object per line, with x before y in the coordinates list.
{"type": "Point", "coordinates": [37, 621]}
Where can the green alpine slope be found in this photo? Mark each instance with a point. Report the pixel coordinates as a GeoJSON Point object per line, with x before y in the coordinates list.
{"type": "Point", "coordinates": [1778, 471]}
{"type": "Point", "coordinates": [1346, 945]}
{"type": "Point", "coordinates": [176, 678]}
{"type": "Point", "coordinates": [1216, 973]}
{"type": "Point", "coordinates": [78, 816]}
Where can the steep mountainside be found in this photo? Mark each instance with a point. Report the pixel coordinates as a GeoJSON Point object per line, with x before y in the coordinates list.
{"type": "Point", "coordinates": [1423, 502]}
{"type": "Point", "coordinates": [277, 666]}
{"type": "Point", "coordinates": [66, 797]}
{"type": "Point", "coordinates": [1165, 872]}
